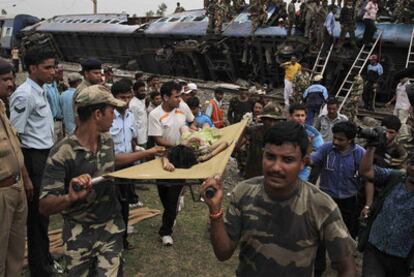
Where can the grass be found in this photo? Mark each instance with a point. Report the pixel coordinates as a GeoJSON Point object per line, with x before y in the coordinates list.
{"type": "Point", "coordinates": [191, 254]}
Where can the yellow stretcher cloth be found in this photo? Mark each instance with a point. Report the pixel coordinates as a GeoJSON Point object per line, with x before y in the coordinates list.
{"type": "Point", "coordinates": [215, 166]}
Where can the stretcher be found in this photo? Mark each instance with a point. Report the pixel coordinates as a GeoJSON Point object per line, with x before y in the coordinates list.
{"type": "Point", "coordinates": [151, 172]}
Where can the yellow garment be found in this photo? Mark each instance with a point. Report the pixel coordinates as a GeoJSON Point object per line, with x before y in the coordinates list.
{"type": "Point", "coordinates": [215, 166]}
{"type": "Point", "coordinates": [291, 70]}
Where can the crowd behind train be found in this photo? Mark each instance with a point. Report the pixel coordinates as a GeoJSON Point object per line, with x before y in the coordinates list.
{"type": "Point", "coordinates": [58, 131]}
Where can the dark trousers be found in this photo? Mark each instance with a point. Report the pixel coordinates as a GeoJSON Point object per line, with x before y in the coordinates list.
{"type": "Point", "coordinates": [368, 95]}
{"type": "Point", "coordinates": [169, 196]}
{"type": "Point", "coordinates": [127, 196]}
{"type": "Point", "coordinates": [312, 112]}
{"type": "Point", "coordinates": [378, 264]}
{"type": "Point", "coordinates": [37, 224]}
{"type": "Point", "coordinates": [349, 210]}
{"type": "Point", "coordinates": [369, 32]}
{"type": "Point", "coordinates": [328, 39]}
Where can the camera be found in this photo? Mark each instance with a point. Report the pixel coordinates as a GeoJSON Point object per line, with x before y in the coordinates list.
{"type": "Point", "coordinates": [375, 136]}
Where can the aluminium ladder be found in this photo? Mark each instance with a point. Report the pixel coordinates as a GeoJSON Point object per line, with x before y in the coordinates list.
{"type": "Point", "coordinates": [356, 69]}
{"type": "Point", "coordinates": [410, 56]}
{"type": "Point", "coordinates": [321, 62]}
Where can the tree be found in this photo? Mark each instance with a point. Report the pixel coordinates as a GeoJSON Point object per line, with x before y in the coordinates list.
{"type": "Point", "coordinates": [149, 14]}
{"type": "Point", "coordinates": [161, 9]}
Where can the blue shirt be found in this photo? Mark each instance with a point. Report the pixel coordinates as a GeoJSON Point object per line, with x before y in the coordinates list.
{"type": "Point", "coordinates": [339, 171]}
{"type": "Point", "coordinates": [66, 103]}
{"type": "Point", "coordinates": [53, 96]}
{"type": "Point", "coordinates": [316, 88]}
{"type": "Point", "coordinates": [30, 114]}
{"type": "Point", "coordinates": [202, 119]}
{"type": "Point", "coordinates": [392, 231]}
{"type": "Point", "coordinates": [123, 131]}
{"type": "Point", "coordinates": [330, 23]}
{"type": "Point", "coordinates": [377, 68]}
{"type": "Point", "coordinates": [317, 141]}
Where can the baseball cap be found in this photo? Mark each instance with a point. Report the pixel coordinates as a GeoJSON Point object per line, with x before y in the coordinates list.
{"type": "Point", "coordinates": [189, 88]}
{"type": "Point", "coordinates": [97, 94]}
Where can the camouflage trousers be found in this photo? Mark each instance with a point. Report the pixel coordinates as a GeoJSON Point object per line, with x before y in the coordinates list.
{"type": "Point", "coordinates": [95, 249]}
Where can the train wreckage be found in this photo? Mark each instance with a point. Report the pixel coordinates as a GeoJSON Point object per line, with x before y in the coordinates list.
{"type": "Point", "coordinates": [179, 45]}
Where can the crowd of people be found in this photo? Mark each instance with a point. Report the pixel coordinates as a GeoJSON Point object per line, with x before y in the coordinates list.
{"type": "Point", "coordinates": [308, 183]}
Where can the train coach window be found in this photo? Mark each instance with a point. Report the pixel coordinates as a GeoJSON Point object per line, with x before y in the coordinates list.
{"type": "Point", "coordinates": [97, 21]}
{"type": "Point", "coordinates": [69, 21]}
{"type": "Point", "coordinates": [83, 21]}
{"type": "Point", "coordinates": [174, 19]}
{"type": "Point", "coordinates": [89, 21]}
{"type": "Point", "coordinates": [186, 19]}
{"type": "Point", "coordinates": [106, 21]}
{"type": "Point", "coordinates": [199, 18]}
{"type": "Point", "coordinates": [164, 19]}
{"type": "Point", "coordinates": [76, 21]}
{"type": "Point", "coordinates": [114, 21]}
{"type": "Point", "coordinates": [7, 32]}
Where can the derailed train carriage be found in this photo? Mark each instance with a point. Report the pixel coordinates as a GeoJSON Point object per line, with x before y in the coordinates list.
{"type": "Point", "coordinates": [178, 45]}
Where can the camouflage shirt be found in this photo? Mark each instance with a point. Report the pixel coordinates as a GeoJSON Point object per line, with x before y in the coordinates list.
{"type": "Point", "coordinates": [69, 159]}
{"type": "Point", "coordinates": [280, 237]}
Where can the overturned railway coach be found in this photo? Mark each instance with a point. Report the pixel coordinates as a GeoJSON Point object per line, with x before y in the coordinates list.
{"type": "Point", "coordinates": [179, 45]}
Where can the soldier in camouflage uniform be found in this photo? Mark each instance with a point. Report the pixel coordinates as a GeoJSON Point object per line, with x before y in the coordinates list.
{"type": "Point", "coordinates": [220, 14]}
{"type": "Point", "coordinates": [279, 220]}
{"type": "Point", "coordinates": [321, 13]}
{"type": "Point", "coordinates": [347, 20]}
{"type": "Point", "coordinates": [272, 113]}
{"type": "Point", "coordinates": [258, 14]}
{"type": "Point", "coordinates": [301, 82]}
{"type": "Point", "coordinates": [310, 12]}
{"type": "Point", "coordinates": [93, 226]}
{"type": "Point", "coordinates": [238, 5]}
{"type": "Point", "coordinates": [291, 16]}
{"type": "Point", "coordinates": [350, 109]}
{"type": "Point", "coordinates": [211, 13]}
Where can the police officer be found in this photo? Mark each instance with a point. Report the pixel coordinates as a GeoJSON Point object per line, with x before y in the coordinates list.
{"type": "Point", "coordinates": [14, 181]}
{"type": "Point", "coordinates": [92, 216]}
{"type": "Point", "coordinates": [31, 115]}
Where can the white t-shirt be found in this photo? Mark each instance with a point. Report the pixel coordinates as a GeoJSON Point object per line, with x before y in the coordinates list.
{"type": "Point", "coordinates": [166, 124]}
{"type": "Point", "coordinates": [189, 117]}
{"type": "Point", "coordinates": [138, 108]}
{"type": "Point", "coordinates": [402, 101]}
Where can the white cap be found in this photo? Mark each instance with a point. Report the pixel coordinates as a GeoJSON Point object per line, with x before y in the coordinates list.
{"type": "Point", "coordinates": [189, 88]}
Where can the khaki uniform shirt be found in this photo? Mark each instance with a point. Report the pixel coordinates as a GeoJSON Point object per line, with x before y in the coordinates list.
{"type": "Point", "coordinates": [11, 157]}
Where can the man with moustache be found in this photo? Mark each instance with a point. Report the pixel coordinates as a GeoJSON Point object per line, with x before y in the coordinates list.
{"type": "Point", "coordinates": [15, 186]}
{"type": "Point", "coordinates": [389, 250]}
{"type": "Point", "coordinates": [138, 108]}
{"type": "Point", "coordinates": [338, 162]}
{"type": "Point", "coordinates": [32, 117]}
{"type": "Point", "coordinates": [278, 219]}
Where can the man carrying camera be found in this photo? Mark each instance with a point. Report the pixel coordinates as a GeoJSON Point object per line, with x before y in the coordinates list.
{"type": "Point", "coordinates": [391, 154]}
{"type": "Point", "coordinates": [389, 245]}
{"type": "Point", "coordinates": [338, 161]}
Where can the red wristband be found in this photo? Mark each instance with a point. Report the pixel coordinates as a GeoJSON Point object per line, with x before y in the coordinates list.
{"type": "Point", "coordinates": [217, 215]}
